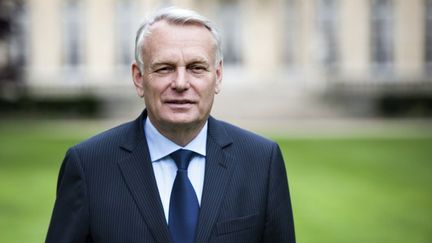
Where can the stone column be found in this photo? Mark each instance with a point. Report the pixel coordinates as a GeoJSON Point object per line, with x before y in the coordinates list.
{"type": "Point", "coordinates": [355, 39]}
{"type": "Point", "coordinates": [260, 29]}
{"type": "Point", "coordinates": [45, 41]}
{"type": "Point", "coordinates": [99, 39]}
{"type": "Point", "coordinates": [308, 45]}
{"type": "Point", "coordinates": [409, 37]}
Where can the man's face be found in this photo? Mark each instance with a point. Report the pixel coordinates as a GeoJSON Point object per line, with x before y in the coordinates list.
{"type": "Point", "coordinates": [180, 77]}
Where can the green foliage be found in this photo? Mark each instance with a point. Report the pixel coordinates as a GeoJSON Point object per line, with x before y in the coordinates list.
{"type": "Point", "coordinates": [343, 190]}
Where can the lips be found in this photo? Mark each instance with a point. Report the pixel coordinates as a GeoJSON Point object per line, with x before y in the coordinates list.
{"type": "Point", "coordinates": [179, 102]}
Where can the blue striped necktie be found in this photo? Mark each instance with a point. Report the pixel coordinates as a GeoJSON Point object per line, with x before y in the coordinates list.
{"type": "Point", "coordinates": [184, 207]}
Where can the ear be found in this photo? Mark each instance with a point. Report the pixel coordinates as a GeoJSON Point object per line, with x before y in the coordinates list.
{"type": "Point", "coordinates": [219, 74]}
{"type": "Point", "coordinates": [137, 77]}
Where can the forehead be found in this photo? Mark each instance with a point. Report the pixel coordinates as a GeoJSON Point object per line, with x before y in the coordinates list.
{"type": "Point", "coordinates": [165, 38]}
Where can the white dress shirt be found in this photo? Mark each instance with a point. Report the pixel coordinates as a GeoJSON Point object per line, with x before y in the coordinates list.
{"type": "Point", "coordinates": [164, 167]}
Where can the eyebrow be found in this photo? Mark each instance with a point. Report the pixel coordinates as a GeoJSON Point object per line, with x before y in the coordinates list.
{"type": "Point", "coordinates": [202, 62]}
{"type": "Point", "coordinates": [198, 60]}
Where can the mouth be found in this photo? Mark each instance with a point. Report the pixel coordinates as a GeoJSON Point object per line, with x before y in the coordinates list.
{"type": "Point", "coordinates": [179, 103]}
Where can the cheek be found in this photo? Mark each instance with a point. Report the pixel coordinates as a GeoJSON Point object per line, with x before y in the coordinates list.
{"type": "Point", "coordinates": [150, 96]}
{"type": "Point", "coordinates": [153, 89]}
{"type": "Point", "coordinates": [208, 94]}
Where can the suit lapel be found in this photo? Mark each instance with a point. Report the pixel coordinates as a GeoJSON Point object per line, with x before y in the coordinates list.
{"type": "Point", "coordinates": [138, 174]}
{"type": "Point", "coordinates": [217, 177]}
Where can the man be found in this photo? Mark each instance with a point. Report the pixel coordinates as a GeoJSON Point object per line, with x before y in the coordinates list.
{"type": "Point", "coordinates": [175, 174]}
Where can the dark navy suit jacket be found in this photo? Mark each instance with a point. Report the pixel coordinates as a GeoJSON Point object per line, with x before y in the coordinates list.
{"type": "Point", "coordinates": [107, 191]}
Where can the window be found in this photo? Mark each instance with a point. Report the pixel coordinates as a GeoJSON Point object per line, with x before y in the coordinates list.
{"type": "Point", "coordinates": [428, 36]}
{"type": "Point", "coordinates": [290, 23]}
{"type": "Point", "coordinates": [72, 34]}
{"type": "Point", "coordinates": [13, 40]}
{"type": "Point", "coordinates": [382, 35]}
{"type": "Point", "coordinates": [230, 26]}
{"type": "Point", "coordinates": [125, 12]}
{"type": "Point", "coordinates": [19, 34]}
{"type": "Point", "coordinates": [327, 23]}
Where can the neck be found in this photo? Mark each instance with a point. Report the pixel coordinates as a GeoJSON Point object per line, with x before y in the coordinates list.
{"type": "Point", "coordinates": [180, 134]}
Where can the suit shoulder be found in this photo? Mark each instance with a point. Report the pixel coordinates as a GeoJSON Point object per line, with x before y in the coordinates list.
{"type": "Point", "coordinates": [108, 138]}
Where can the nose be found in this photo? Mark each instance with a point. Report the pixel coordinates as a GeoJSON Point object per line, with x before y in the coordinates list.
{"type": "Point", "coordinates": [181, 80]}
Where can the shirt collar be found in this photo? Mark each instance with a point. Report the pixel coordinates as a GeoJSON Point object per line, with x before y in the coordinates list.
{"type": "Point", "coordinates": [160, 146]}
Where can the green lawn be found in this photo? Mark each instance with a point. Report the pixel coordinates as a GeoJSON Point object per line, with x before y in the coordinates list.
{"type": "Point", "coordinates": [343, 190]}
{"type": "Point", "coordinates": [361, 190]}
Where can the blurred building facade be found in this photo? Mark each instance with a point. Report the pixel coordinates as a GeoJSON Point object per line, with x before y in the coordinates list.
{"type": "Point", "coordinates": [359, 51]}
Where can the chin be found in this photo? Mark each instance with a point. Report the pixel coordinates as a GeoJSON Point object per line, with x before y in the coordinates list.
{"type": "Point", "coordinates": [188, 118]}
{"type": "Point", "coordinates": [186, 122]}
{"type": "Point", "coordinates": [181, 119]}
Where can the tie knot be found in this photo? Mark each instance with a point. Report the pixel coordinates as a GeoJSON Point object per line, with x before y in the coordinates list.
{"type": "Point", "coordinates": [182, 158]}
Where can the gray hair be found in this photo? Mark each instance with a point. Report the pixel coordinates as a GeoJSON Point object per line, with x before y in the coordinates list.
{"type": "Point", "coordinates": [179, 16]}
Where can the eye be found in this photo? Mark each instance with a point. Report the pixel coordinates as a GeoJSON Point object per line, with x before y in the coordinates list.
{"type": "Point", "coordinates": [197, 68]}
{"type": "Point", "coordinates": [164, 69]}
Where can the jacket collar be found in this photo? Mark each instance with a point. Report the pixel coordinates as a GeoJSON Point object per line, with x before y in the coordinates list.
{"type": "Point", "coordinates": [135, 135]}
